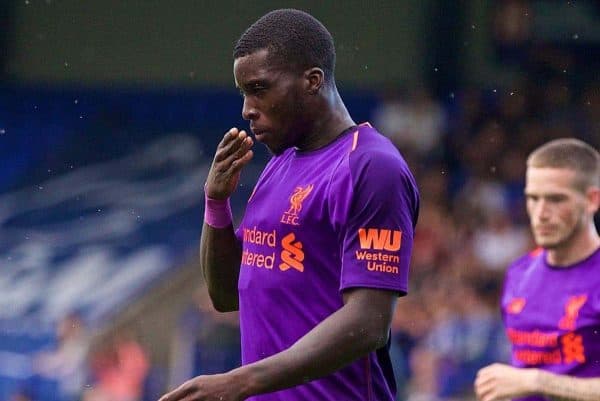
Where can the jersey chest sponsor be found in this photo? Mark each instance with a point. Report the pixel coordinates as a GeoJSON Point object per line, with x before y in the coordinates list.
{"type": "Point", "coordinates": [563, 345]}
{"type": "Point", "coordinates": [263, 248]}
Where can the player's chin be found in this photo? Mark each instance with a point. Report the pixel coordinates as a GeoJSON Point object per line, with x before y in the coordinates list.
{"type": "Point", "coordinates": [274, 148]}
{"type": "Point", "coordinates": [547, 243]}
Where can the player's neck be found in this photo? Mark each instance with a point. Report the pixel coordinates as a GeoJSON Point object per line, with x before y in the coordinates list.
{"type": "Point", "coordinates": [333, 120]}
{"type": "Point", "coordinates": [576, 250]}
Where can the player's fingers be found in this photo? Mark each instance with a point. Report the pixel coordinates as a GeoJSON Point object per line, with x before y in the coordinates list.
{"type": "Point", "coordinates": [176, 395]}
{"type": "Point", "coordinates": [237, 164]}
{"type": "Point", "coordinates": [166, 397]}
{"type": "Point", "coordinates": [245, 142]}
{"type": "Point", "coordinates": [485, 380]}
{"type": "Point", "coordinates": [481, 378]}
{"type": "Point", "coordinates": [479, 391]}
{"type": "Point", "coordinates": [192, 397]}
{"type": "Point", "coordinates": [485, 392]}
{"type": "Point", "coordinates": [487, 372]}
{"type": "Point", "coordinates": [229, 136]}
{"type": "Point", "coordinates": [244, 147]}
{"type": "Point", "coordinates": [231, 147]}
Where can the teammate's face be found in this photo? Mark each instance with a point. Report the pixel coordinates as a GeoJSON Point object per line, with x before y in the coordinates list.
{"type": "Point", "coordinates": [273, 100]}
{"type": "Point", "coordinates": [557, 209]}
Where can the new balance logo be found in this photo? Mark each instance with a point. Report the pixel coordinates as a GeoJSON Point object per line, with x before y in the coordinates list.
{"type": "Point", "coordinates": [516, 305]}
{"type": "Point", "coordinates": [379, 239]}
{"type": "Point", "coordinates": [292, 255]}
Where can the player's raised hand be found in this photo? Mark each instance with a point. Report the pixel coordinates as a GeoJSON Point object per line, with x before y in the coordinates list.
{"type": "Point", "coordinates": [221, 387]}
{"type": "Point", "coordinates": [500, 382]}
{"type": "Point", "coordinates": [233, 153]}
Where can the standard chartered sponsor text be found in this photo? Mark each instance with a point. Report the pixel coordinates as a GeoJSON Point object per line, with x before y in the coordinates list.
{"type": "Point", "coordinates": [256, 236]}
{"type": "Point", "coordinates": [258, 259]}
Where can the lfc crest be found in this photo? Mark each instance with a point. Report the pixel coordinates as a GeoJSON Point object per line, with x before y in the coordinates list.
{"type": "Point", "coordinates": [291, 216]}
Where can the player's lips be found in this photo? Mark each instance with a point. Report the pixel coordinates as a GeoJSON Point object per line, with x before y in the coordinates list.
{"type": "Point", "coordinates": [258, 133]}
{"type": "Point", "coordinates": [544, 230]}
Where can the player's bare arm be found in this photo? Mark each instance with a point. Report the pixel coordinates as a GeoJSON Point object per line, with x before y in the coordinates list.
{"type": "Point", "coordinates": [220, 251]}
{"type": "Point", "coordinates": [361, 326]}
{"type": "Point", "coordinates": [568, 388]}
{"type": "Point", "coordinates": [499, 382]}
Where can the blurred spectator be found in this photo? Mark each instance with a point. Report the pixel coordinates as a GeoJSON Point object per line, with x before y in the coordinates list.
{"type": "Point", "coordinates": [119, 370]}
{"type": "Point", "coordinates": [206, 341]}
{"type": "Point", "coordinates": [473, 221]}
{"type": "Point", "coordinates": [415, 123]}
{"type": "Point", "coordinates": [464, 337]}
{"type": "Point", "coordinates": [511, 27]}
{"type": "Point", "coordinates": [588, 122]}
{"type": "Point", "coordinates": [22, 395]}
{"type": "Point", "coordinates": [67, 364]}
{"type": "Point", "coordinates": [497, 242]}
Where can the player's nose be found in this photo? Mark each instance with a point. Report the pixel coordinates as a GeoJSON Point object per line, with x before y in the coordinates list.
{"type": "Point", "coordinates": [249, 111]}
{"type": "Point", "coordinates": [542, 210]}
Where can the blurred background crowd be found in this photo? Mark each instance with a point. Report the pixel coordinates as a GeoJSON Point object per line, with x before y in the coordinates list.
{"type": "Point", "coordinates": [105, 150]}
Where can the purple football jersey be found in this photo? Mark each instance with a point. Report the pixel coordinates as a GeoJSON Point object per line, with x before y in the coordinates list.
{"type": "Point", "coordinates": [316, 224]}
{"type": "Point", "coordinates": [552, 315]}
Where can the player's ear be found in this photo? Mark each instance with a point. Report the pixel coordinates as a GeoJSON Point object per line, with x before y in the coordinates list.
{"type": "Point", "coordinates": [593, 197]}
{"type": "Point", "coordinates": [314, 78]}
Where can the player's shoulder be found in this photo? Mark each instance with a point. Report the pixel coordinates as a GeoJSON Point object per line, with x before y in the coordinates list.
{"type": "Point", "coordinates": [375, 164]}
{"type": "Point", "coordinates": [368, 139]}
{"type": "Point", "coordinates": [371, 148]}
{"type": "Point", "coordinates": [525, 261]}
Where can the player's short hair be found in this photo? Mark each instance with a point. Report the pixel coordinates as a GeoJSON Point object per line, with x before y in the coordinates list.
{"type": "Point", "coordinates": [295, 40]}
{"type": "Point", "coordinates": [571, 154]}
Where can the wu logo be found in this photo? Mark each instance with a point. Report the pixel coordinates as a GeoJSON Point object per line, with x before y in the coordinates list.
{"type": "Point", "coordinates": [291, 216]}
{"type": "Point", "coordinates": [292, 255]}
{"type": "Point", "coordinates": [379, 239]}
{"type": "Point", "coordinates": [574, 304]}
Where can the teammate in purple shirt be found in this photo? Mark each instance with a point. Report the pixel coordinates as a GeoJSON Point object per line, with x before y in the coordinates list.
{"type": "Point", "coordinates": [322, 253]}
{"type": "Point", "coordinates": [551, 299]}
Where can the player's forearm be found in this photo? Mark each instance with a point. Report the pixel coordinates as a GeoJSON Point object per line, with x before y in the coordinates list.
{"type": "Point", "coordinates": [345, 336]}
{"type": "Point", "coordinates": [220, 257]}
{"type": "Point", "coordinates": [568, 388]}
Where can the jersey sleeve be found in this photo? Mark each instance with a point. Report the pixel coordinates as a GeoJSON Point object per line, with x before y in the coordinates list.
{"type": "Point", "coordinates": [378, 229]}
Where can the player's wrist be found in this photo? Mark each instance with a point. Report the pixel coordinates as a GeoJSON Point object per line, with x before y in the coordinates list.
{"type": "Point", "coordinates": [217, 212]}
{"type": "Point", "coordinates": [244, 380]}
{"type": "Point", "coordinates": [536, 381]}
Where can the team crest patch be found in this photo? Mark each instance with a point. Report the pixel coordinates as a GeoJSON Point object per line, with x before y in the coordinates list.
{"type": "Point", "coordinates": [572, 308]}
{"type": "Point", "coordinates": [291, 216]}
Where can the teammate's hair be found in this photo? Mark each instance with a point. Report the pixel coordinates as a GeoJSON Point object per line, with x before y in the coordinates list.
{"type": "Point", "coordinates": [295, 40]}
{"type": "Point", "coordinates": [571, 154]}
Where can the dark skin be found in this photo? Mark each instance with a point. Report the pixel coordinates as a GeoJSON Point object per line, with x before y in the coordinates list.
{"type": "Point", "coordinates": [285, 109]}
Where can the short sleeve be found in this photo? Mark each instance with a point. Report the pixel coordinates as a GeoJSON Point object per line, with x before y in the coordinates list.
{"type": "Point", "coordinates": [377, 237]}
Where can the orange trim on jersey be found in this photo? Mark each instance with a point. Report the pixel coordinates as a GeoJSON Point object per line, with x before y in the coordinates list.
{"type": "Point", "coordinates": [354, 141]}
{"type": "Point", "coordinates": [252, 194]}
{"type": "Point", "coordinates": [536, 252]}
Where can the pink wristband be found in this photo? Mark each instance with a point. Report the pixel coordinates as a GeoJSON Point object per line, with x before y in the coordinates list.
{"type": "Point", "coordinates": [217, 212]}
